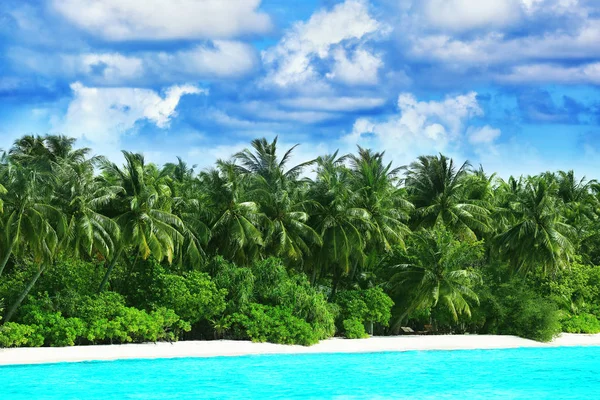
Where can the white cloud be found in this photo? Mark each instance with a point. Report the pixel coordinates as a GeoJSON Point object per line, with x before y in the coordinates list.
{"type": "Point", "coordinates": [109, 67]}
{"type": "Point", "coordinates": [483, 135]}
{"type": "Point", "coordinates": [221, 59]}
{"type": "Point", "coordinates": [550, 73]}
{"type": "Point", "coordinates": [343, 103]}
{"type": "Point", "coordinates": [495, 48]}
{"type": "Point", "coordinates": [421, 127]}
{"type": "Point", "coordinates": [291, 61]}
{"type": "Point", "coordinates": [269, 112]}
{"type": "Point", "coordinates": [361, 68]}
{"type": "Point", "coordinates": [102, 115]}
{"type": "Point", "coordinates": [225, 59]}
{"type": "Point", "coordinates": [461, 15]}
{"type": "Point", "coordinates": [158, 19]}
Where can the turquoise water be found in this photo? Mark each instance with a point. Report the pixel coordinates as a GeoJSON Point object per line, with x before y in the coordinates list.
{"type": "Point", "coordinates": [553, 373]}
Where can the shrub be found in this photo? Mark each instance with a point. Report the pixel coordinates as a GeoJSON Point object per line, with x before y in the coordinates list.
{"type": "Point", "coordinates": [261, 323]}
{"type": "Point", "coordinates": [525, 313]}
{"type": "Point", "coordinates": [109, 320]}
{"type": "Point", "coordinates": [370, 305]}
{"type": "Point", "coordinates": [19, 335]}
{"type": "Point", "coordinates": [582, 323]}
{"type": "Point", "coordinates": [354, 329]}
{"type": "Point", "coordinates": [193, 296]}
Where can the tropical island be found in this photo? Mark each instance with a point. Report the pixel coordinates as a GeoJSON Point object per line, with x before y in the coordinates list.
{"type": "Point", "coordinates": [255, 248]}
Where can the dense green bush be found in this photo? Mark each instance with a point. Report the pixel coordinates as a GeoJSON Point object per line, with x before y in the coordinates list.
{"type": "Point", "coordinates": [354, 329]}
{"type": "Point", "coordinates": [262, 323]}
{"type": "Point", "coordinates": [102, 318]}
{"type": "Point", "coordinates": [13, 334]}
{"type": "Point", "coordinates": [193, 296]}
{"type": "Point", "coordinates": [269, 283]}
{"type": "Point", "coordinates": [524, 312]}
{"type": "Point", "coordinates": [581, 323]}
{"type": "Point", "coordinates": [366, 306]}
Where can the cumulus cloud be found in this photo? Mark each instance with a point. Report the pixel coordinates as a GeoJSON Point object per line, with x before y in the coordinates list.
{"type": "Point", "coordinates": [220, 59]}
{"type": "Point", "coordinates": [292, 60]}
{"type": "Point", "coordinates": [423, 127]}
{"type": "Point", "coordinates": [362, 67]}
{"type": "Point", "coordinates": [270, 112]}
{"type": "Point", "coordinates": [342, 103]}
{"type": "Point", "coordinates": [587, 73]}
{"type": "Point", "coordinates": [461, 15]}
{"type": "Point", "coordinates": [483, 135]}
{"type": "Point", "coordinates": [102, 115]}
{"type": "Point", "coordinates": [158, 19]}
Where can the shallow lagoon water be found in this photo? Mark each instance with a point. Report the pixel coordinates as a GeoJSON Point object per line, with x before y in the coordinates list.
{"type": "Point", "coordinates": [535, 373]}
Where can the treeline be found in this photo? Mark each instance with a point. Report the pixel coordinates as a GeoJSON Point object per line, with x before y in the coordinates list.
{"type": "Point", "coordinates": [94, 252]}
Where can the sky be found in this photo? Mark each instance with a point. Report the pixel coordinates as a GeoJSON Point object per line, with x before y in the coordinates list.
{"type": "Point", "coordinates": [512, 85]}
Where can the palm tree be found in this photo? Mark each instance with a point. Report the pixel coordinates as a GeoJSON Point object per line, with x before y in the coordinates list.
{"type": "Point", "coordinates": [580, 203]}
{"type": "Point", "coordinates": [80, 196]}
{"type": "Point", "coordinates": [435, 270]}
{"type": "Point", "coordinates": [537, 237]}
{"type": "Point", "coordinates": [143, 215]}
{"type": "Point", "coordinates": [281, 196]}
{"type": "Point", "coordinates": [29, 222]}
{"type": "Point", "coordinates": [438, 191]}
{"type": "Point", "coordinates": [265, 163]}
{"type": "Point", "coordinates": [31, 227]}
{"type": "Point", "coordinates": [342, 225]}
{"type": "Point", "coordinates": [375, 188]}
{"type": "Point", "coordinates": [235, 224]}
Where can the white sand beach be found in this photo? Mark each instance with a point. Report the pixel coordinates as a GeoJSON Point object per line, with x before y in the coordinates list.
{"type": "Point", "coordinates": [237, 348]}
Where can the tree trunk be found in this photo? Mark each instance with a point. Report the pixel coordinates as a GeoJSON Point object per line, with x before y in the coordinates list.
{"type": "Point", "coordinates": [111, 266]}
{"type": "Point", "coordinates": [6, 256]}
{"type": "Point", "coordinates": [11, 311]}
{"type": "Point", "coordinates": [334, 287]}
{"type": "Point", "coordinates": [395, 330]}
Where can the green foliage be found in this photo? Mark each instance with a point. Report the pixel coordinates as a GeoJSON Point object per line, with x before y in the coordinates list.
{"type": "Point", "coordinates": [434, 270]}
{"type": "Point", "coordinates": [354, 329]}
{"type": "Point", "coordinates": [524, 312]}
{"type": "Point", "coordinates": [56, 330]}
{"type": "Point", "coordinates": [582, 323]}
{"type": "Point", "coordinates": [92, 252]}
{"type": "Point", "coordinates": [193, 296]}
{"type": "Point", "coordinates": [19, 335]}
{"type": "Point", "coordinates": [238, 281]}
{"type": "Point", "coordinates": [369, 305]}
{"type": "Point", "coordinates": [261, 323]}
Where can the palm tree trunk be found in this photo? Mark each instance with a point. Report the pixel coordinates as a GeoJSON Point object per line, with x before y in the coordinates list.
{"type": "Point", "coordinates": [11, 311]}
{"type": "Point", "coordinates": [111, 266]}
{"type": "Point", "coordinates": [6, 256]}
{"type": "Point", "coordinates": [336, 280]}
{"type": "Point", "coordinates": [395, 329]}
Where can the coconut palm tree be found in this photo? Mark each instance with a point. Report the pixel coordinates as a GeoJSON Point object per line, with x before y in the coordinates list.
{"type": "Point", "coordinates": [80, 196]}
{"type": "Point", "coordinates": [537, 237]}
{"type": "Point", "coordinates": [375, 188]}
{"type": "Point", "coordinates": [265, 163]}
{"type": "Point", "coordinates": [235, 223]}
{"type": "Point", "coordinates": [143, 214]}
{"type": "Point", "coordinates": [438, 191]}
{"type": "Point", "coordinates": [281, 196]}
{"type": "Point", "coordinates": [342, 225]}
{"type": "Point", "coordinates": [31, 227]}
{"type": "Point", "coordinates": [435, 270]}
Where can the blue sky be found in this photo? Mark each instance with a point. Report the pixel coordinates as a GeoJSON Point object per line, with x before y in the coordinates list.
{"type": "Point", "coordinates": [509, 84]}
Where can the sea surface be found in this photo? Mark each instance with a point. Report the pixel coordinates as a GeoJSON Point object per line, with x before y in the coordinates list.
{"type": "Point", "coordinates": [549, 373]}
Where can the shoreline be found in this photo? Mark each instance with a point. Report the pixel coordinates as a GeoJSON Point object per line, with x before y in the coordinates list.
{"type": "Point", "coordinates": [229, 348]}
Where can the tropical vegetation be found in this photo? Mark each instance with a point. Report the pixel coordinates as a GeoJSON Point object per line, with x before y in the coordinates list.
{"type": "Point", "coordinates": [92, 251]}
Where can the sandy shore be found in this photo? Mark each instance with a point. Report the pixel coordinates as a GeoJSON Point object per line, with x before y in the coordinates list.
{"type": "Point", "coordinates": [236, 348]}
